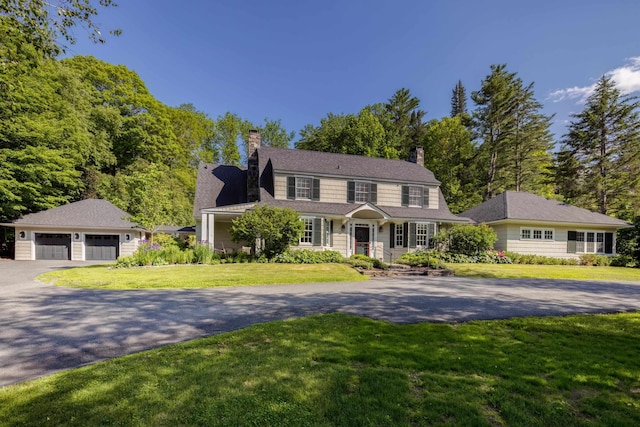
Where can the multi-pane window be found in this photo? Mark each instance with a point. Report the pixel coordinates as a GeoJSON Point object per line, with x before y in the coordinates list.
{"type": "Point", "coordinates": [303, 188]}
{"type": "Point", "coordinates": [580, 237]}
{"type": "Point", "coordinates": [362, 192]}
{"type": "Point", "coordinates": [536, 234]}
{"type": "Point", "coordinates": [307, 236]}
{"type": "Point", "coordinates": [415, 195]}
{"type": "Point", "coordinates": [590, 242]}
{"type": "Point", "coordinates": [399, 235]}
{"type": "Point", "coordinates": [599, 242]}
{"type": "Point", "coordinates": [422, 234]}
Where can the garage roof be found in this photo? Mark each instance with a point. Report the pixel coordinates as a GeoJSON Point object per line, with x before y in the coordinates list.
{"type": "Point", "coordinates": [89, 213]}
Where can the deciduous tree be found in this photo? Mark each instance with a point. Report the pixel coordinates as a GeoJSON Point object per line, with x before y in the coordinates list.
{"type": "Point", "coordinates": [268, 230]}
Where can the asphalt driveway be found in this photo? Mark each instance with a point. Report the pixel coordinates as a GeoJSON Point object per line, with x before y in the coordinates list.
{"type": "Point", "coordinates": [44, 329]}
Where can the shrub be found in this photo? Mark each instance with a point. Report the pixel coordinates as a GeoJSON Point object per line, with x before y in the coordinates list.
{"type": "Point", "coordinates": [359, 263]}
{"type": "Point", "coordinates": [622, 261]}
{"type": "Point", "coordinates": [374, 262]}
{"type": "Point", "coordinates": [430, 259]}
{"type": "Point", "coordinates": [594, 260]}
{"type": "Point", "coordinates": [126, 262]}
{"type": "Point", "coordinates": [203, 254]}
{"type": "Point", "coordinates": [308, 256]}
{"type": "Point", "coordinates": [539, 259]}
{"type": "Point", "coordinates": [466, 239]}
{"type": "Point", "coordinates": [165, 240]}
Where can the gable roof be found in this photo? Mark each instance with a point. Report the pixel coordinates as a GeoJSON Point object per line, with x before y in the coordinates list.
{"type": "Point", "coordinates": [344, 165]}
{"type": "Point", "coordinates": [89, 213]}
{"type": "Point", "coordinates": [219, 185]}
{"type": "Point", "coordinates": [517, 205]}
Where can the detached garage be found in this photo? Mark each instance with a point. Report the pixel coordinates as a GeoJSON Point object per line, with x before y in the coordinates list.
{"type": "Point", "coordinates": [88, 230]}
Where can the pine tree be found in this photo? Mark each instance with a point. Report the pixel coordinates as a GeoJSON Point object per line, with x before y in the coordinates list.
{"type": "Point", "coordinates": [529, 161]}
{"type": "Point", "coordinates": [408, 119]}
{"type": "Point", "coordinates": [459, 101]}
{"type": "Point", "coordinates": [604, 140]}
{"type": "Point", "coordinates": [515, 141]}
{"type": "Point", "coordinates": [494, 122]}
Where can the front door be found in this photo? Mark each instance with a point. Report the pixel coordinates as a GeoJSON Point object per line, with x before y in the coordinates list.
{"type": "Point", "coordinates": [362, 240]}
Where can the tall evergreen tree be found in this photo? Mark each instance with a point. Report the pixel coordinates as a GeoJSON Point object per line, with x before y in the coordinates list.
{"type": "Point", "coordinates": [515, 140]}
{"type": "Point", "coordinates": [528, 153]}
{"type": "Point", "coordinates": [458, 100]}
{"type": "Point", "coordinates": [494, 122]}
{"type": "Point", "coordinates": [407, 118]}
{"type": "Point", "coordinates": [604, 142]}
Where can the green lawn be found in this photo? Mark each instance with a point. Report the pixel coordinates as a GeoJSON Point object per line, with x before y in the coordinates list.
{"type": "Point", "coordinates": [341, 370]}
{"type": "Point", "coordinates": [200, 276]}
{"type": "Point", "coordinates": [546, 271]}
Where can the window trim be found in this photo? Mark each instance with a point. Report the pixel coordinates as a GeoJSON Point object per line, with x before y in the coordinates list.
{"type": "Point", "coordinates": [307, 235]}
{"type": "Point", "coordinates": [532, 231]}
{"type": "Point", "coordinates": [371, 193]}
{"type": "Point", "coordinates": [422, 234]}
{"type": "Point", "coordinates": [298, 181]}
{"type": "Point", "coordinates": [399, 235]}
{"type": "Point", "coordinates": [366, 193]}
{"type": "Point", "coordinates": [585, 242]}
{"type": "Point", "coordinates": [419, 197]}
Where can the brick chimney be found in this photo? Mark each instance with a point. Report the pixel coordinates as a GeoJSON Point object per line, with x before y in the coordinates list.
{"type": "Point", "coordinates": [417, 156]}
{"type": "Point", "coordinates": [253, 174]}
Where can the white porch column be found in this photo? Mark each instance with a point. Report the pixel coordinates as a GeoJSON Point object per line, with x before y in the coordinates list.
{"type": "Point", "coordinates": [204, 227]}
{"type": "Point", "coordinates": [210, 232]}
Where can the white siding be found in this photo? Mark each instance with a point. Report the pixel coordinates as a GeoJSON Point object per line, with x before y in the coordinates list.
{"type": "Point", "coordinates": [24, 250]}
{"type": "Point", "coordinates": [502, 242]}
{"type": "Point", "coordinates": [128, 248]}
{"type": "Point", "coordinates": [339, 240]}
{"type": "Point", "coordinates": [389, 194]}
{"type": "Point", "coordinates": [76, 251]}
{"type": "Point", "coordinates": [280, 187]}
{"type": "Point", "coordinates": [556, 248]}
{"type": "Point", "coordinates": [332, 190]}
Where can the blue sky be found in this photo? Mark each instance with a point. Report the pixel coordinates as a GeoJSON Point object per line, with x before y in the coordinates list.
{"type": "Point", "coordinates": [299, 60]}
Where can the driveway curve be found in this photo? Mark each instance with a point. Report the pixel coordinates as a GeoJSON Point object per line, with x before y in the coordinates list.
{"type": "Point", "coordinates": [45, 329]}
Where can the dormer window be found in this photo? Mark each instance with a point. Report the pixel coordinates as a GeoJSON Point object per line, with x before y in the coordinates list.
{"type": "Point", "coordinates": [362, 192]}
{"type": "Point", "coordinates": [415, 196]}
{"type": "Point", "coordinates": [303, 188]}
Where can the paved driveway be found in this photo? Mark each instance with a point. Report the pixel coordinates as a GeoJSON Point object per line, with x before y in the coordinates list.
{"type": "Point", "coordinates": [44, 328]}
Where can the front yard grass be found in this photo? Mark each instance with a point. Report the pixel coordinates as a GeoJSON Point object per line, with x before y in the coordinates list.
{"type": "Point", "coordinates": [342, 370]}
{"type": "Point", "coordinates": [514, 271]}
{"type": "Point", "coordinates": [200, 276]}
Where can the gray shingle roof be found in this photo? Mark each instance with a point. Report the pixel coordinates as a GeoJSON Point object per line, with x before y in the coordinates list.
{"type": "Point", "coordinates": [345, 165]}
{"type": "Point", "coordinates": [219, 185]}
{"type": "Point", "coordinates": [89, 213]}
{"type": "Point", "coordinates": [527, 206]}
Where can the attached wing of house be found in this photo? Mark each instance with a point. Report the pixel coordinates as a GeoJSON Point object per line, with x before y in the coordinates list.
{"type": "Point", "coordinates": [90, 229]}
{"type": "Point", "coordinates": [352, 204]}
{"type": "Point", "coordinates": [530, 224]}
